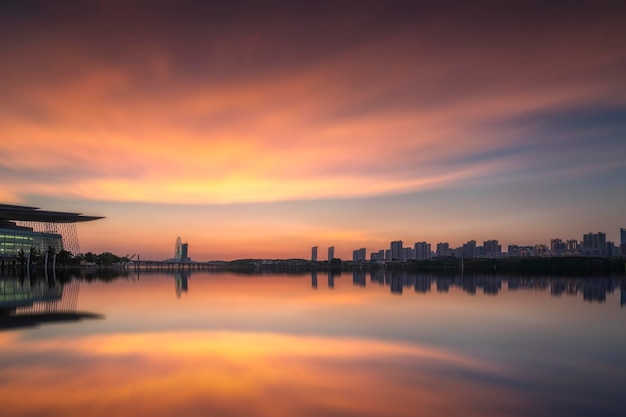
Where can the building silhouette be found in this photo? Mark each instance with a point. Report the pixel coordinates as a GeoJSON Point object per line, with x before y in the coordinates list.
{"type": "Point", "coordinates": [181, 251]}
{"type": "Point", "coordinates": [422, 250]}
{"type": "Point", "coordinates": [395, 250]}
{"type": "Point", "coordinates": [443, 249]}
{"type": "Point", "coordinates": [594, 244]}
{"type": "Point", "coordinates": [359, 255]}
{"type": "Point", "coordinates": [24, 228]}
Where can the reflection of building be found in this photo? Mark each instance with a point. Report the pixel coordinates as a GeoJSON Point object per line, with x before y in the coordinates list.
{"type": "Point", "coordinates": [23, 228]}
{"type": "Point", "coordinates": [180, 279]}
{"type": "Point", "coordinates": [27, 302]}
{"type": "Point", "coordinates": [358, 278]}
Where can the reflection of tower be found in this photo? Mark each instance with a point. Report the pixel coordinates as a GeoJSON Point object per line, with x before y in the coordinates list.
{"type": "Point", "coordinates": [180, 279]}
{"type": "Point", "coordinates": [314, 279]}
{"type": "Point", "coordinates": [396, 283]}
{"type": "Point", "coordinates": [622, 300]}
{"type": "Point", "coordinates": [331, 280]}
{"type": "Point", "coordinates": [358, 278]}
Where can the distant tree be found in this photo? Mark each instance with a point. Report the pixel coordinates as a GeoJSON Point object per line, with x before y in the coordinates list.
{"type": "Point", "coordinates": [65, 258]}
{"type": "Point", "coordinates": [335, 264]}
{"type": "Point", "coordinates": [107, 258]}
{"type": "Point", "coordinates": [90, 257]}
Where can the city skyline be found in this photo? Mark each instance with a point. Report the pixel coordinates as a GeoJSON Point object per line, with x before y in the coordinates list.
{"type": "Point", "coordinates": [260, 131]}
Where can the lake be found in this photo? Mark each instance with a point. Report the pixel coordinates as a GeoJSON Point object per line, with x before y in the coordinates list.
{"type": "Point", "coordinates": [355, 344]}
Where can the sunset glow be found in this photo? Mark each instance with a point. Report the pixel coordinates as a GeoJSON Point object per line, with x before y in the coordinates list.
{"type": "Point", "coordinates": [266, 133]}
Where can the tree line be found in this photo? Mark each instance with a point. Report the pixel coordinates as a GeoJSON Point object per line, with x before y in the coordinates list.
{"type": "Point", "coordinates": [64, 257]}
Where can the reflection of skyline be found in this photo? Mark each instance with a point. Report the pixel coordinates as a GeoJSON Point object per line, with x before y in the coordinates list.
{"type": "Point", "coordinates": [28, 302]}
{"type": "Point", "coordinates": [180, 280]}
{"type": "Point", "coordinates": [591, 289]}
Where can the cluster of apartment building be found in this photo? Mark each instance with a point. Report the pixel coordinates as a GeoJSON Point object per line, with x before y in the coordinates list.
{"type": "Point", "coordinates": [592, 244]}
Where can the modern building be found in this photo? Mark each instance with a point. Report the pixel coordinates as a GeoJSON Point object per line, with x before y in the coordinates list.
{"type": "Point", "coordinates": [396, 250]}
{"type": "Point", "coordinates": [594, 244]}
{"type": "Point", "coordinates": [378, 256]}
{"type": "Point", "coordinates": [422, 250]}
{"type": "Point", "coordinates": [622, 236]}
{"type": "Point", "coordinates": [314, 254]}
{"type": "Point", "coordinates": [557, 247]}
{"type": "Point", "coordinates": [24, 228]}
{"type": "Point", "coordinates": [492, 249]}
{"type": "Point", "coordinates": [331, 253]}
{"type": "Point", "coordinates": [181, 251]}
{"type": "Point", "coordinates": [443, 249]}
{"type": "Point", "coordinates": [469, 249]}
{"type": "Point", "coordinates": [359, 255]}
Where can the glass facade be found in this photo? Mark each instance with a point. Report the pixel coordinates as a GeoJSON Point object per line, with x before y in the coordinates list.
{"type": "Point", "coordinates": [14, 240]}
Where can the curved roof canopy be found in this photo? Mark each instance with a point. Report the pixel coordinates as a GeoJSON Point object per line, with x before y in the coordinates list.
{"type": "Point", "coordinates": [34, 214]}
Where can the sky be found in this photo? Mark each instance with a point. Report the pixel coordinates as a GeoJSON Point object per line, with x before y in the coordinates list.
{"type": "Point", "coordinates": [260, 129]}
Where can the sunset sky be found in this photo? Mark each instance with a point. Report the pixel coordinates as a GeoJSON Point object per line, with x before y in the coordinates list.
{"type": "Point", "coordinates": [260, 129]}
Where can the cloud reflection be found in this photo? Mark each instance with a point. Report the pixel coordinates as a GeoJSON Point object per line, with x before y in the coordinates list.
{"type": "Point", "coordinates": [241, 373]}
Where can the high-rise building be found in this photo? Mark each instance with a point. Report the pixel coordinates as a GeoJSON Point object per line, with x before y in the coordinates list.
{"type": "Point", "coordinates": [557, 246]}
{"type": "Point", "coordinates": [422, 250]}
{"type": "Point", "coordinates": [443, 249]}
{"type": "Point", "coordinates": [622, 236]}
{"type": "Point", "coordinates": [358, 255]}
{"type": "Point", "coordinates": [396, 250]}
{"type": "Point", "coordinates": [181, 251]}
{"type": "Point", "coordinates": [594, 244]}
{"type": "Point", "coordinates": [572, 247]}
{"type": "Point", "coordinates": [407, 253]}
{"type": "Point", "coordinates": [492, 249]}
{"type": "Point", "coordinates": [469, 249]}
{"type": "Point", "coordinates": [184, 252]}
{"type": "Point", "coordinates": [378, 256]}
{"type": "Point", "coordinates": [314, 254]}
{"type": "Point", "coordinates": [331, 253]}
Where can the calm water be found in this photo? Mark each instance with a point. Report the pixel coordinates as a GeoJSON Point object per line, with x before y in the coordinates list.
{"type": "Point", "coordinates": [302, 345]}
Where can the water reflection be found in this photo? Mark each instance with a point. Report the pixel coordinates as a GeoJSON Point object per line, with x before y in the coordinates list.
{"type": "Point", "coordinates": [366, 344]}
{"type": "Point", "coordinates": [593, 289]}
{"type": "Point", "coordinates": [180, 278]}
{"type": "Point", "coordinates": [29, 301]}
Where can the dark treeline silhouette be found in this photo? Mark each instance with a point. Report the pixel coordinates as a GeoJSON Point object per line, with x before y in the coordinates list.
{"type": "Point", "coordinates": [574, 265]}
{"type": "Point", "coordinates": [63, 258]}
